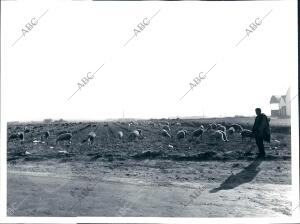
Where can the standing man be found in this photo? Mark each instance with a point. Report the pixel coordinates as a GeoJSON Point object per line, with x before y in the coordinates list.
{"type": "Point", "coordinates": [261, 131]}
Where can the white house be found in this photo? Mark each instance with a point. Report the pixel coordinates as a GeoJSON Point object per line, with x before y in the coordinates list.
{"type": "Point", "coordinates": [281, 105]}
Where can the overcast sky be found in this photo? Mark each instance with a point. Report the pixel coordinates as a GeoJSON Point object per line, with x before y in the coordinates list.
{"type": "Point", "coordinates": [147, 77]}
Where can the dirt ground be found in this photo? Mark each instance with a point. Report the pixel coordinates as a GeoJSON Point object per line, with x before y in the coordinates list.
{"type": "Point", "coordinates": [113, 177]}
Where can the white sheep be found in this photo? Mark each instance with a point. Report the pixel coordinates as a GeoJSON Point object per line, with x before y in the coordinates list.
{"type": "Point", "coordinates": [221, 127]}
{"type": "Point", "coordinates": [237, 127]}
{"type": "Point", "coordinates": [181, 134]}
{"type": "Point", "coordinates": [135, 134]}
{"type": "Point", "coordinates": [166, 127]}
{"type": "Point", "coordinates": [91, 137]}
{"type": "Point", "coordinates": [231, 130]}
{"type": "Point", "coordinates": [221, 135]}
{"type": "Point", "coordinates": [198, 132]}
{"type": "Point", "coordinates": [165, 133]}
{"type": "Point", "coordinates": [120, 134]}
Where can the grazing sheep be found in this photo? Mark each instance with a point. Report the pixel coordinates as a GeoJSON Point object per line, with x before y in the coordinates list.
{"type": "Point", "coordinates": [13, 136]}
{"type": "Point", "coordinates": [91, 137]}
{"type": "Point", "coordinates": [132, 123]}
{"type": "Point", "coordinates": [166, 127]}
{"type": "Point", "coordinates": [120, 134]}
{"type": "Point", "coordinates": [165, 133]}
{"type": "Point", "coordinates": [231, 130]}
{"type": "Point", "coordinates": [135, 134]}
{"type": "Point", "coordinates": [221, 127]}
{"type": "Point", "coordinates": [181, 134]}
{"type": "Point", "coordinates": [224, 135]}
{"type": "Point", "coordinates": [64, 137]}
{"type": "Point", "coordinates": [220, 135]}
{"type": "Point", "coordinates": [246, 133]}
{"type": "Point", "coordinates": [62, 132]}
{"type": "Point", "coordinates": [237, 127]}
{"type": "Point", "coordinates": [198, 132]}
{"type": "Point", "coordinates": [19, 135]}
{"type": "Point", "coordinates": [140, 132]}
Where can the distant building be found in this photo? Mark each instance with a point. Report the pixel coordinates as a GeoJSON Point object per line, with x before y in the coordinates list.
{"type": "Point", "coordinates": [281, 105]}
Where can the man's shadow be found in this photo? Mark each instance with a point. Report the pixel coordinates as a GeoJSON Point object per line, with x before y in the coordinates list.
{"type": "Point", "coordinates": [245, 176]}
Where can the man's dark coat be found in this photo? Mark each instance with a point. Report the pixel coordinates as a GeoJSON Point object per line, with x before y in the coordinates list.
{"type": "Point", "coordinates": [261, 128]}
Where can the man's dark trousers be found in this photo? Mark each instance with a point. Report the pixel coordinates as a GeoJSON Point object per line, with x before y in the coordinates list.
{"type": "Point", "coordinates": [260, 145]}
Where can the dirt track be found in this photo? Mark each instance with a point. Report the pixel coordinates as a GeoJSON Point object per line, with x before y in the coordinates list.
{"type": "Point", "coordinates": [153, 188]}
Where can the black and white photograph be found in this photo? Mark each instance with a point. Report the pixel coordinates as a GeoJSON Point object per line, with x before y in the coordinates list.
{"type": "Point", "coordinates": [149, 111]}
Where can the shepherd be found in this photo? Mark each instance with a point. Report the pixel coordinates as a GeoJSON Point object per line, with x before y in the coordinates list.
{"type": "Point", "coordinates": [261, 131]}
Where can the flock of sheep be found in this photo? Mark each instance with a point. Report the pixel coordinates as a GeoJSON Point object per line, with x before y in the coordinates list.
{"type": "Point", "coordinates": [216, 131]}
{"type": "Point", "coordinates": [213, 130]}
